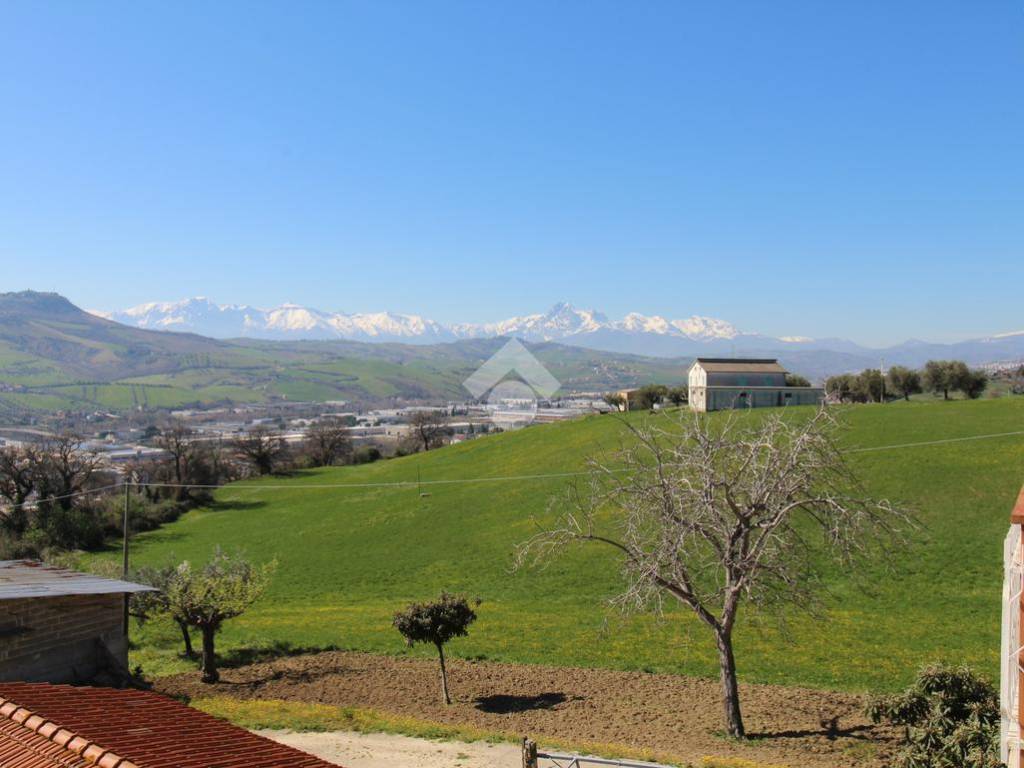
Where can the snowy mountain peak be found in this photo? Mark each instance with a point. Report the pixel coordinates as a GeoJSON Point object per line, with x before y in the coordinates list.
{"type": "Point", "coordinates": [562, 322]}
{"type": "Point", "coordinates": [695, 327]}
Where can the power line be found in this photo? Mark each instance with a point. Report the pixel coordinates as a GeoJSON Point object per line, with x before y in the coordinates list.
{"type": "Point", "coordinates": [451, 481]}
{"type": "Point", "coordinates": [86, 492]}
{"type": "Point", "coordinates": [933, 442]}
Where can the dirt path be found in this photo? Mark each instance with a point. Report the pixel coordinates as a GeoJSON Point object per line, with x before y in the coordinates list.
{"type": "Point", "coordinates": [383, 750]}
{"type": "Point", "coordinates": [670, 714]}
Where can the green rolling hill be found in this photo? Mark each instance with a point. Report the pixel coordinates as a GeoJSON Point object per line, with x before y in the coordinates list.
{"type": "Point", "coordinates": [349, 557]}
{"type": "Point", "coordinates": [54, 356]}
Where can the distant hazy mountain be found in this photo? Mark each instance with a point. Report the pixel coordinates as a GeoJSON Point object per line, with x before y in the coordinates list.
{"type": "Point", "coordinates": [57, 357]}
{"type": "Point", "coordinates": [638, 334]}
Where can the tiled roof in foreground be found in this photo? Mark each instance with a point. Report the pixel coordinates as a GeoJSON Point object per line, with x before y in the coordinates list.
{"type": "Point", "coordinates": [61, 726]}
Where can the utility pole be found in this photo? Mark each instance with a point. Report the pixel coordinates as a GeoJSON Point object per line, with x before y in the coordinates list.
{"type": "Point", "coordinates": [881, 370]}
{"type": "Point", "coordinates": [124, 553]}
{"type": "Point", "coordinates": [124, 532]}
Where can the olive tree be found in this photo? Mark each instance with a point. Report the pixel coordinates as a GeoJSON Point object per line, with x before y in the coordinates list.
{"type": "Point", "coordinates": [904, 381]}
{"type": "Point", "coordinates": [145, 606]}
{"type": "Point", "coordinates": [436, 623]}
{"type": "Point", "coordinates": [207, 597]}
{"type": "Point", "coordinates": [973, 384]}
{"type": "Point", "coordinates": [650, 395]}
{"type": "Point", "coordinates": [678, 396]}
{"type": "Point", "coordinates": [717, 513]}
{"type": "Point", "coordinates": [942, 376]}
{"type": "Point", "coordinates": [615, 400]}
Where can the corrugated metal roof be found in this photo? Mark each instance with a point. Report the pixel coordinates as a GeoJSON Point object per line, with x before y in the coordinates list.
{"type": "Point", "coordinates": [739, 365]}
{"type": "Point", "coordinates": [30, 578]}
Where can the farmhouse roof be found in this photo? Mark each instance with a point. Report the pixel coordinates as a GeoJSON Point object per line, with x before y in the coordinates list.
{"type": "Point", "coordinates": [30, 578]}
{"type": "Point", "coordinates": [739, 365]}
{"type": "Point", "coordinates": [62, 726]}
{"type": "Point", "coordinates": [1017, 516]}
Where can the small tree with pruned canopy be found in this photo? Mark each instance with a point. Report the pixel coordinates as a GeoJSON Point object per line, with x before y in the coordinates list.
{"type": "Point", "coordinates": [436, 623]}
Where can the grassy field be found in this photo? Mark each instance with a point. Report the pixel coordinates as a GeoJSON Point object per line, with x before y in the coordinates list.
{"type": "Point", "coordinates": [349, 557]}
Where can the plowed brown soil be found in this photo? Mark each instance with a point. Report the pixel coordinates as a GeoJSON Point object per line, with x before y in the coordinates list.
{"type": "Point", "coordinates": [679, 716]}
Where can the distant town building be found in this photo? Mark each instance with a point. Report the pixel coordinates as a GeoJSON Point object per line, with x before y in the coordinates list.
{"type": "Point", "coordinates": [717, 384]}
{"type": "Point", "coordinates": [58, 625]}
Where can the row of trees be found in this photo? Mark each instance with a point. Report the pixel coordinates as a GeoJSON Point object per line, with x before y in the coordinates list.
{"type": "Point", "coordinates": [939, 377]}
{"type": "Point", "coordinates": [225, 587]}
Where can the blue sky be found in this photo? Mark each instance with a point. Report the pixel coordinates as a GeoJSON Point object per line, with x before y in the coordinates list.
{"type": "Point", "coordinates": [844, 168]}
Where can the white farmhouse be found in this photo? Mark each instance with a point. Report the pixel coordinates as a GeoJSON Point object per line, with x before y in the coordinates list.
{"type": "Point", "coordinates": [722, 383]}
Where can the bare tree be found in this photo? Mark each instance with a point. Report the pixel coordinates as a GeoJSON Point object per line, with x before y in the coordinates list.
{"type": "Point", "coordinates": [261, 449]}
{"type": "Point", "coordinates": [327, 443]}
{"type": "Point", "coordinates": [428, 428]}
{"type": "Point", "coordinates": [178, 441]}
{"type": "Point", "coordinates": [65, 468]}
{"type": "Point", "coordinates": [714, 513]}
{"type": "Point", "coordinates": [19, 467]}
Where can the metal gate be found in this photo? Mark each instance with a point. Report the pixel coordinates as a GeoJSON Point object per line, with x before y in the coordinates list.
{"type": "Point", "coordinates": [532, 758]}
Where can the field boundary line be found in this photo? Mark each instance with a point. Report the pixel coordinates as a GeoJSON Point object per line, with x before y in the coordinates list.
{"type": "Point", "coordinates": [933, 442]}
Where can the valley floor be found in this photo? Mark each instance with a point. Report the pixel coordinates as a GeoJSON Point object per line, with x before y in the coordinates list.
{"type": "Point", "coordinates": [656, 716]}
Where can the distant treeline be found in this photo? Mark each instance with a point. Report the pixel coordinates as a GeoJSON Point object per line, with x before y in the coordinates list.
{"type": "Point", "coordinates": [940, 377]}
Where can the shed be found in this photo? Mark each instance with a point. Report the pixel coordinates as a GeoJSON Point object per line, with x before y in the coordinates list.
{"type": "Point", "coordinates": [58, 625]}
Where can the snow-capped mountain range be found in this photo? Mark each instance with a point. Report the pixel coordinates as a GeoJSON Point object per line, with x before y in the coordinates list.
{"type": "Point", "coordinates": [292, 321]}
{"type": "Point", "coordinates": [635, 333]}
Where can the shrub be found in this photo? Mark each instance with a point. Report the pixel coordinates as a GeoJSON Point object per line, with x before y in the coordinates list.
{"type": "Point", "coordinates": [951, 717]}
{"type": "Point", "coordinates": [366, 455]}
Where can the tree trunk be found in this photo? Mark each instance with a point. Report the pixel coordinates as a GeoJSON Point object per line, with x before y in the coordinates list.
{"type": "Point", "coordinates": [730, 689]}
{"type": "Point", "coordinates": [444, 676]}
{"type": "Point", "coordinates": [210, 673]}
{"type": "Point", "coordinates": [188, 640]}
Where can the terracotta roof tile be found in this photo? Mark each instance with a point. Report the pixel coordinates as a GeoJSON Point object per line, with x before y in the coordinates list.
{"type": "Point", "coordinates": [50, 726]}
